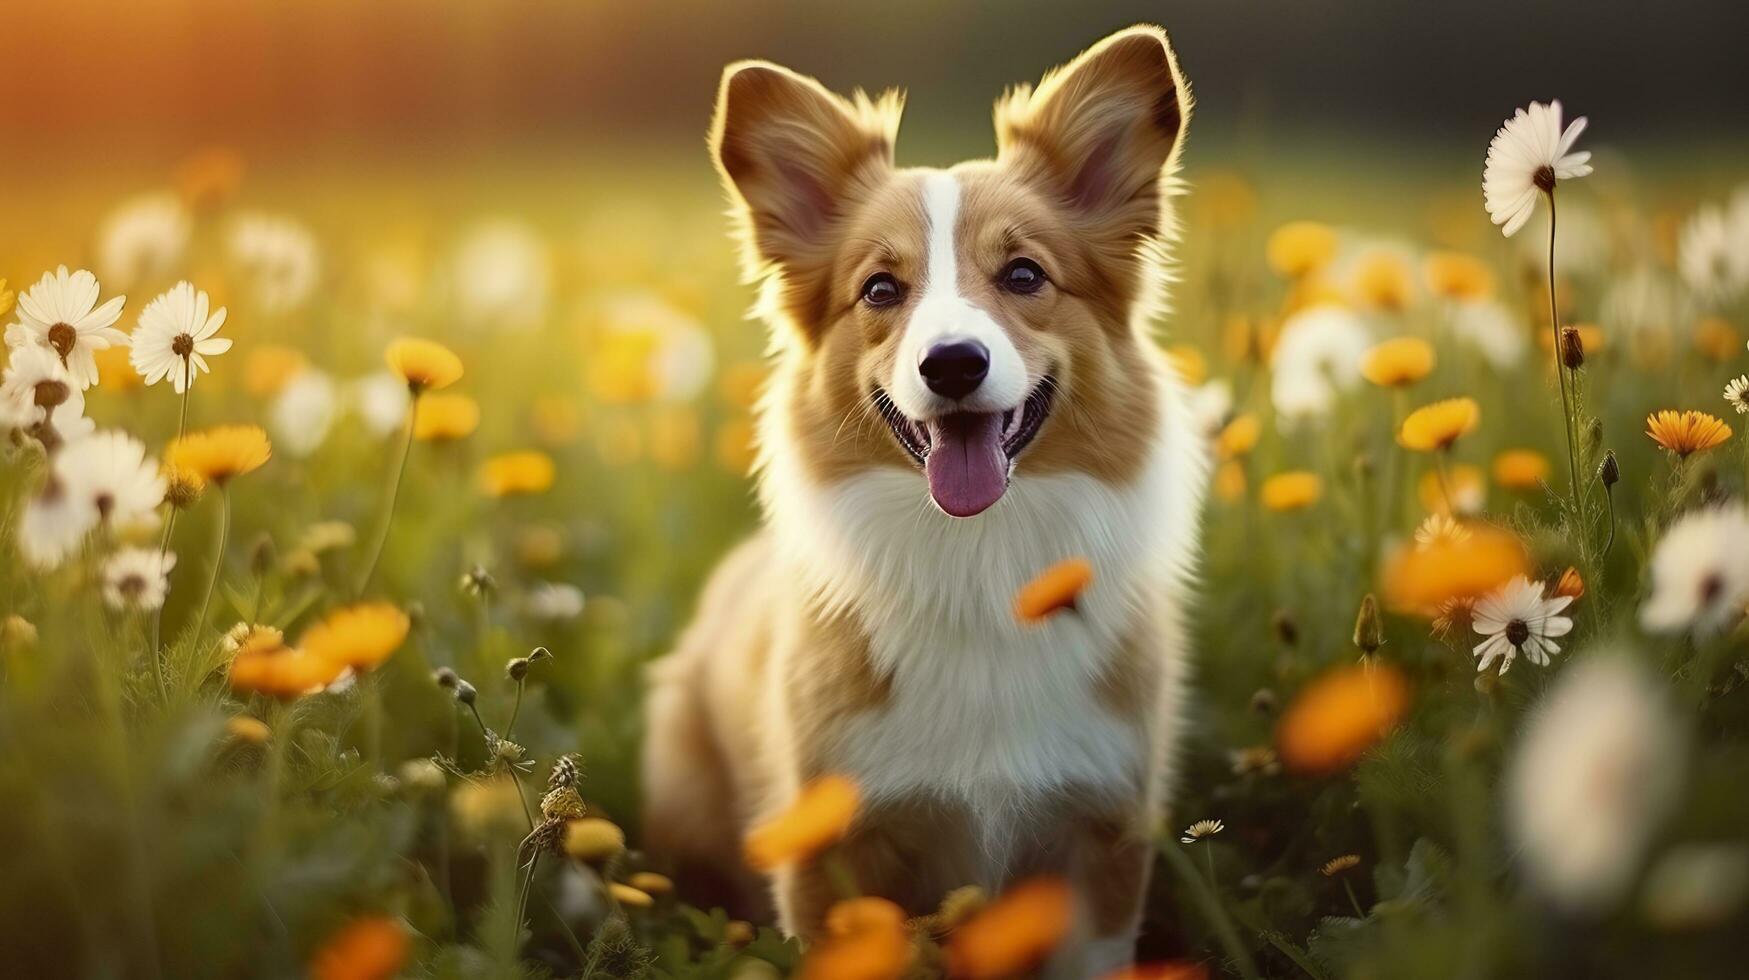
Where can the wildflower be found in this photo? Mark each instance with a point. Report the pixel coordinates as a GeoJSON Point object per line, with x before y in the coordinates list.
{"type": "Point", "coordinates": [1492, 330]}
{"type": "Point", "coordinates": [423, 775]}
{"type": "Point", "coordinates": [250, 634]}
{"type": "Point", "coordinates": [36, 379]}
{"type": "Point", "coordinates": [265, 665]}
{"type": "Point", "coordinates": [1369, 628]}
{"type": "Point", "coordinates": [1711, 259]}
{"type": "Point", "coordinates": [1527, 156]}
{"type": "Point", "coordinates": [1598, 768]}
{"type": "Point", "coordinates": [649, 350]}
{"type": "Point", "coordinates": [54, 524]}
{"type": "Point", "coordinates": [488, 809]}
{"type": "Point", "coordinates": [1737, 394]}
{"type": "Point", "coordinates": [143, 239]}
{"type": "Point", "coordinates": [554, 602]}
{"type": "Point", "coordinates": [651, 883]}
{"type": "Point", "coordinates": [221, 454]}
{"type": "Point", "coordinates": [111, 471]}
{"type": "Point", "coordinates": [176, 336]}
{"type": "Point", "coordinates": [1056, 588]}
{"type": "Point", "coordinates": [1460, 489]}
{"type": "Point", "coordinates": [1015, 932]}
{"type": "Point", "coordinates": [1437, 426]}
{"type": "Point", "coordinates": [1300, 248]}
{"type": "Point", "coordinates": [629, 897]}
{"type": "Point", "coordinates": [1685, 433]}
{"type": "Point", "coordinates": [1293, 490]}
{"type": "Point", "coordinates": [1397, 363]}
{"type": "Point", "coordinates": [1440, 529]}
{"type": "Point", "coordinates": [137, 578]}
{"type": "Point", "coordinates": [517, 473]}
{"type": "Point", "coordinates": [381, 401]}
{"type": "Point", "coordinates": [423, 365]}
{"type": "Point", "coordinates": [477, 581]}
{"type": "Point", "coordinates": [1384, 281]}
{"type": "Point", "coordinates": [1700, 573]}
{"type": "Point", "coordinates": [1239, 437]}
{"type": "Point", "coordinates": [270, 367]}
{"type": "Point", "coordinates": [1521, 469]}
{"type": "Point", "coordinates": [1202, 828]}
{"type": "Point", "coordinates": [181, 487]}
{"type": "Point", "coordinates": [1255, 759]}
{"type": "Point", "coordinates": [1338, 716]}
{"type": "Point", "coordinates": [1518, 619]}
{"type": "Point", "coordinates": [279, 258]}
{"type": "Point", "coordinates": [372, 948]}
{"type": "Point", "coordinates": [1716, 339]}
{"type": "Point", "coordinates": [303, 412]}
{"type": "Point", "coordinates": [1572, 348]}
{"type": "Point", "coordinates": [593, 839]}
{"type": "Point", "coordinates": [1457, 276]}
{"type": "Point", "coordinates": [819, 815]}
{"type": "Point", "coordinates": [446, 418]}
{"type": "Point", "coordinates": [739, 932]}
{"type": "Point", "coordinates": [878, 950]}
{"type": "Point", "coordinates": [856, 914]}
{"type": "Point", "coordinates": [243, 728]}
{"type": "Point", "coordinates": [1340, 865]}
{"type": "Point", "coordinates": [60, 313]}
{"type": "Point", "coordinates": [360, 636]}
{"type": "Point", "coordinates": [1570, 584]}
{"type": "Point", "coordinates": [1317, 358]}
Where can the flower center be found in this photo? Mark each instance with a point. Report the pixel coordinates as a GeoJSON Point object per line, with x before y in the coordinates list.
{"type": "Point", "coordinates": [182, 346]}
{"type": "Point", "coordinates": [105, 505]}
{"type": "Point", "coordinates": [1544, 178]}
{"type": "Point", "coordinates": [50, 394]}
{"type": "Point", "coordinates": [1517, 632]}
{"type": "Point", "coordinates": [131, 587]}
{"type": "Point", "coordinates": [62, 337]}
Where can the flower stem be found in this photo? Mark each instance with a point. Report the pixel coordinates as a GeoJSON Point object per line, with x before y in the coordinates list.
{"type": "Point", "coordinates": [1352, 900]}
{"type": "Point", "coordinates": [164, 542]}
{"type": "Point", "coordinates": [218, 555]}
{"type": "Point", "coordinates": [394, 491]}
{"type": "Point", "coordinates": [1568, 424]}
{"type": "Point", "coordinates": [515, 709]}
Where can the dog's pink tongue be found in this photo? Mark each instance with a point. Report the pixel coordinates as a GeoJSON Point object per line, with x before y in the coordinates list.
{"type": "Point", "coordinates": [967, 469]}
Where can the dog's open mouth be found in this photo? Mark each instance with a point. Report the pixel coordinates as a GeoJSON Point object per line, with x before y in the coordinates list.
{"type": "Point", "coordinates": [967, 456]}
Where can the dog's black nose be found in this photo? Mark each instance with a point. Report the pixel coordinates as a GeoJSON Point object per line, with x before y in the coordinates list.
{"type": "Point", "coordinates": [955, 368]}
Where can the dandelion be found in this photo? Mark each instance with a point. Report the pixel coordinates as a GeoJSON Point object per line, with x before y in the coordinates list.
{"type": "Point", "coordinates": [1451, 567]}
{"type": "Point", "coordinates": [1437, 426]}
{"type": "Point", "coordinates": [61, 313]}
{"type": "Point", "coordinates": [1526, 158]}
{"type": "Point", "coordinates": [1459, 277]}
{"type": "Point", "coordinates": [1336, 718]}
{"type": "Point", "coordinates": [503, 275]}
{"type": "Point", "coordinates": [1700, 573]}
{"type": "Point", "coordinates": [1686, 433]}
{"type": "Point", "coordinates": [366, 949]}
{"type": "Point", "coordinates": [819, 815]}
{"type": "Point", "coordinates": [1300, 248]}
{"type": "Point", "coordinates": [176, 335]}
{"type": "Point", "coordinates": [1598, 769]}
{"type": "Point", "coordinates": [1053, 590]}
{"type": "Point", "coordinates": [592, 839]}
{"type": "Point", "coordinates": [1192, 368]}
{"type": "Point", "coordinates": [1397, 363]}
{"type": "Point", "coordinates": [143, 240]}
{"type": "Point", "coordinates": [1521, 469]}
{"type": "Point", "coordinates": [1519, 619]}
{"type": "Point", "coordinates": [1291, 491]}
{"type": "Point", "coordinates": [1202, 828]}
{"type": "Point", "coordinates": [1316, 359]}
{"type": "Point", "coordinates": [517, 473]}
{"type": "Point", "coordinates": [360, 636]}
{"type": "Point", "coordinates": [136, 579]}
{"type": "Point", "coordinates": [382, 402]}
{"type": "Point", "coordinates": [446, 418]}
{"type": "Point", "coordinates": [1015, 932]}
{"type": "Point", "coordinates": [423, 365]}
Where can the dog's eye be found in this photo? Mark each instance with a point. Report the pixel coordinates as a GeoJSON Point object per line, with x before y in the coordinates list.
{"type": "Point", "coordinates": [1022, 276]}
{"type": "Point", "coordinates": [881, 289]}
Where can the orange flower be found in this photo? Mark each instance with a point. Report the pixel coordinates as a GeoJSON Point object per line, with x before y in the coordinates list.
{"type": "Point", "coordinates": [265, 665]}
{"type": "Point", "coordinates": [819, 817]}
{"type": "Point", "coordinates": [853, 915]}
{"type": "Point", "coordinates": [424, 364]}
{"type": "Point", "coordinates": [360, 636]}
{"type": "Point", "coordinates": [219, 454]}
{"type": "Point", "coordinates": [1338, 716]}
{"type": "Point", "coordinates": [1455, 275]}
{"type": "Point", "coordinates": [1053, 590]}
{"type": "Point", "coordinates": [1440, 424]}
{"type": "Point", "coordinates": [1161, 971]}
{"type": "Point", "coordinates": [1239, 437]}
{"type": "Point", "coordinates": [1299, 248]}
{"type": "Point", "coordinates": [1421, 577]}
{"type": "Point", "coordinates": [1384, 281]}
{"type": "Point", "coordinates": [878, 949]}
{"type": "Point", "coordinates": [1293, 490]}
{"type": "Point", "coordinates": [1398, 362]}
{"type": "Point", "coordinates": [1570, 584]}
{"type": "Point", "coordinates": [1016, 931]}
{"type": "Point", "coordinates": [446, 418]}
{"type": "Point", "coordinates": [1686, 433]}
{"type": "Point", "coordinates": [1521, 469]}
{"type": "Point", "coordinates": [518, 473]}
{"type": "Point", "coordinates": [373, 948]}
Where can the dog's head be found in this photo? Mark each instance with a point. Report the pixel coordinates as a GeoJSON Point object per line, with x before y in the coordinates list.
{"type": "Point", "coordinates": [973, 322]}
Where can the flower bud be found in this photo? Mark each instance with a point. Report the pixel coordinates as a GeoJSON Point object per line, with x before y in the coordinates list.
{"type": "Point", "coordinates": [1609, 471]}
{"type": "Point", "coordinates": [1286, 630]}
{"type": "Point", "coordinates": [445, 678]}
{"type": "Point", "coordinates": [465, 693]}
{"type": "Point", "coordinates": [517, 669]}
{"type": "Point", "coordinates": [1572, 348]}
{"type": "Point", "coordinates": [1264, 701]}
{"type": "Point", "coordinates": [1369, 630]}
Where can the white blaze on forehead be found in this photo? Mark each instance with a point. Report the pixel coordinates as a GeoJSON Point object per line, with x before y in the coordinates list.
{"type": "Point", "coordinates": [943, 314]}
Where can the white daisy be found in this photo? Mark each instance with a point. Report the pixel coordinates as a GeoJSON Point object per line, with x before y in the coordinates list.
{"type": "Point", "coordinates": [1737, 393]}
{"type": "Point", "coordinates": [143, 240]}
{"type": "Point", "coordinates": [175, 337]}
{"type": "Point", "coordinates": [1202, 828]}
{"type": "Point", "coordinates": [1517, 619]}
{"type": "Point", "coordinates": [1527, 156]}
{"type": "Point", "coordinates": [554, 601]}
{"type": "Point", "coordinates": [381, 400]}
{"type": "Point", "coordinates": [54, 524]}
{"type": "Point", "coordinates": [61, 313]}
{"type": "Point", "coordinates": [111, 471]}
{"type": "Point", "coordinates": [280, 260]}
{"type": "Point", "coordinates": [137, 579]}
{"type": "Point", "coordinates": [1492, 330]}
{"type": "Point", "coordinates": [35, 380]}
{"type": "Point", "coordinates": [304, 411]}
{"type": "Point", "coordinates": [1700, 573]}
{"type": "Point", "coordinates": [1598, 769]}
{"type": "Point", "coordinates": [1709, 256]}
{"type": "Point", "coordinates": [1317, 357]}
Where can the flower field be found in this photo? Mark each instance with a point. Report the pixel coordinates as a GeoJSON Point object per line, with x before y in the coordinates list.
{"type": "Point", "coordinates": [341, 515]}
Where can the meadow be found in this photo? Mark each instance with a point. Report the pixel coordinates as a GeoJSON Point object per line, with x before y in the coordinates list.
{"type": "Point", "coordinates": [473, 441]}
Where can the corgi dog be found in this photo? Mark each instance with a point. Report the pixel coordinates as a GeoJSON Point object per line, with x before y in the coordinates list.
{"type": "Point", "coordinates": [966, 391]}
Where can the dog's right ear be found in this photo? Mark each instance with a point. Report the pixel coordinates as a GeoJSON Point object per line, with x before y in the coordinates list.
{"type": "Point", "coordinates": [794, 157]}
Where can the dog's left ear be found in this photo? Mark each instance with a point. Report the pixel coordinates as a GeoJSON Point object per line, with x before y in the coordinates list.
{"type": "Point", "coordinates": [1103, 131]}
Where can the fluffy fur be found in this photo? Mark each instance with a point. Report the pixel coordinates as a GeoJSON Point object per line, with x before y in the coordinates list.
{"type": "Point", "coordinates": [865, 632]}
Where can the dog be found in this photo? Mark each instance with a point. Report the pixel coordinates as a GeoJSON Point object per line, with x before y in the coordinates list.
{"type": "Point", "coordinates": [966, 391]}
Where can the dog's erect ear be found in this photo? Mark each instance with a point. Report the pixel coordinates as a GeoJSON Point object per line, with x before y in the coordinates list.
{"type": "Point", "coordinates": [795, 157]}
{"type": "Point", "coordinates": [1103, 130]}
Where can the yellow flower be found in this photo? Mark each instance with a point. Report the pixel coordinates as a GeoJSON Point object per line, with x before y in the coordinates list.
{"type": "Point", "coordinates": [1239, 437]}
{"type": "Point", "coordinates": [1384, 281]}
{"type": "Point", "coordinates": [446, 418]}
{"type": "Point", "coordinates": [1014, 933]}
{"type": "Point", "coordinates": [246, 729]}
{"type": "Point", "coordinates": [1053, 590]}
{"type": "Point", "coordinates": [511, 474]}
{"type": "Point", "coordinates": [1455, 275]}
{"type": "Point", "coordinates": [1192, 367]}
{"type": "Point", "coordinates": [631, 897]}
{"type": "Point", "coordinates": [1230, 481]}
{"type": "Point", "coordinates": [1300, 248]}
{"type": "Point", "coordinates": [219, 454]}
{"type": "Point", "coordinates": [1310, 292]}
{"type": "Point", "coordinates": [1338, 865]}
{"type": "Point", "coordinates": [1465, 484]}
{"type": "Point", "coordinates": [1437, 569]}
{"type": "Point", "coordinates": [593, 839]}
{"type": "Point", "coordinates": [1337, 717]}
{"type": "Point", "coordinates": [270, 367]}
{"type": "Point", "coordinates": [1293, 490]}
{"type": "Point", "coordinates": [360, 636]}
{"type": "Point", "coordinates": [1398, 362]}
{"type": "Point", "coordinates": [1686, 433]}
{"type": "Point", "coordinates": [1716, 339]}
{"type": "Point", "coordinates": [819, 816]}
{"type": "Point", "coordinates": [1440, 424]}
{"type": "Point", "coordinates": [1521, 469]}
{"type": "Point", "coordinates": [651, 883]}
{"type": "Point", "coordinates": [373, 948]}
{"type": "Point", "coordinates": [424, 364]}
